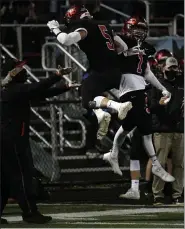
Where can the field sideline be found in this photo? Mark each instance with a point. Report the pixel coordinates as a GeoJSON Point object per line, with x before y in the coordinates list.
{"type": "Point", "coordinates": [101, 216]}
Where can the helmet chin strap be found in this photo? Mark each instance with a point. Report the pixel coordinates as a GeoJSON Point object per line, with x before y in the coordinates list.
{"type": "Point", "coordinates": [86, 14]}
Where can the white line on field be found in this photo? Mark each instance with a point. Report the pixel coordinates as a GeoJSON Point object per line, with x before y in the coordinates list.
{"type": "Point", "coordinates": [106, 205]}
{"type": "Point", "coordinates": [72, 215]}
{"type": "Point", "coordinates": [124, 223]}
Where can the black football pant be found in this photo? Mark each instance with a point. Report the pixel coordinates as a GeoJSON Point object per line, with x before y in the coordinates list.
{"type": "Point", "coordinates": [139, 116]}
{"type": "Point", "coordinates": [16, 176]}
{"type": "Point", "coordinates": [95, 83]}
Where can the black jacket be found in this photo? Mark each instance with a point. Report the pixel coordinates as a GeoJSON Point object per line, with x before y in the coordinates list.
{"type": "Point", "coordinates": [169, 118]}
{"type": "Point", "coordinates": [15, 106]}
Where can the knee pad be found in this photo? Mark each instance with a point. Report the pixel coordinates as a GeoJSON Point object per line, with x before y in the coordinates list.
{"type": "Point", "coordinates": [134, 165]}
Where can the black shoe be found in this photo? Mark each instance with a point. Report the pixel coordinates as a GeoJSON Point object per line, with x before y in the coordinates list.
{"type": "Point", "coordinates": [178, 201]}
{"type": "Point", "coordinates": [158, 201]}
{"type": "Point", "coordinates": [36, 218]}
{"type": "Point", "coordinates": [4, 221]}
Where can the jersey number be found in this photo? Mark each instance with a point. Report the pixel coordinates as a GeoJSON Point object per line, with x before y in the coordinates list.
{"type": "Point", "coordinates": [139, 67]}
{"type": "Point", "coordinates": [110, 43]}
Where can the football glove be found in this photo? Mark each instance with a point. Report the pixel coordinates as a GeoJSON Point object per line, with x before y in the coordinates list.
{"type": "Point", "coordinates": [53, 25]}
{"type": "Point", "coordinates": [166, 94]}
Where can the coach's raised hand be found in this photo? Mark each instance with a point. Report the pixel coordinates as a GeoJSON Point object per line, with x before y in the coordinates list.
{"type": "Point", "coordinates": [63, 71]}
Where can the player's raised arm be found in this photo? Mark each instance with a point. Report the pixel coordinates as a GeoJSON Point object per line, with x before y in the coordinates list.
{"type": "Point", "coordinates": [64, 38]}
{"type": "Point", "coordinates": [73, 14]}
{"type": "Point", "coordinates": [120, 45]}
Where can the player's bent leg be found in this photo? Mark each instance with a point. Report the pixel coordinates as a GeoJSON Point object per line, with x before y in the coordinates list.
{"type": "Point", "coordinates": [112, 156]}
{"type": "Point", "coordinates": [121, 108]}
{"type": "Point", "coordinates": [104, 119]}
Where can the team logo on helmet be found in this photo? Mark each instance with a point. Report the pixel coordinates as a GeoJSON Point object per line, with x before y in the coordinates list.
{"type": "Point", "coordinates": [71, 12]}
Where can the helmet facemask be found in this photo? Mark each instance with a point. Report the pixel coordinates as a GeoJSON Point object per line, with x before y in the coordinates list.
{"type": "Point", "coordinates": [139, 32]}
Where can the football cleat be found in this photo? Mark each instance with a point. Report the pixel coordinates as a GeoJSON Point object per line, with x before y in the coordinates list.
{"type": "Point", "coordinates": [124, 109]}
{"type": "Point", "coordinates": [113, 162]}
{"type": "Point", "coordinates": [161, 173]}
{"type": "Point", "coordinates": [131, 194]}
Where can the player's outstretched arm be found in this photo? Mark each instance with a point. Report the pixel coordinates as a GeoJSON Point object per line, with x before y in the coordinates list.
{"type": "Point", "coordinates": [64, 38]}
{"type": "Point", "coordinates": [150, 77]}
{"type": "Point", "coordinates": [121, 46]}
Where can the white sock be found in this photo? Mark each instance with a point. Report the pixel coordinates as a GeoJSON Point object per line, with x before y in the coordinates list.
{"type": "Point", "coordinates": [118, 141]}
{"type": "Point", "coordinates": [149, 147]}
{"type": "Point", "coordinates": [135, 185]}
{"type": "Point", "coordinates": [98, 101]}
{"type": "Point", "coordinates": [114, 105]}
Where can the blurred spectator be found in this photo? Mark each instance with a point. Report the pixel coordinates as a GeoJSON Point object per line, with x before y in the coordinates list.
{"type": "Point", "coordinates": [161, 57]}
{"type": "Point", "coordinates": [168, 128]}
{"type": "Point", "coordinates": [20, 11]}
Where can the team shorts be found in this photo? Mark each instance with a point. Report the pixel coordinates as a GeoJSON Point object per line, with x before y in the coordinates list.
{"type": "Point", "coordinates": [95, 83]}
{"type": "Point", "coordinates": [139, 116]}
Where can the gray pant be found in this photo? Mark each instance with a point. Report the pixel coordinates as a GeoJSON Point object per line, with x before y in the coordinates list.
{"type": "Point", "coordinates": [164, 144]}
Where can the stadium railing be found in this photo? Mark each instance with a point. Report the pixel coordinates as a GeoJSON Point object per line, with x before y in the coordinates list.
{"type": "Point", "coordinates": [147, 7]}
{"type": "Point", "coordinates": [175, 23]}
{"type": "Point", "coordinates": [172, 27]}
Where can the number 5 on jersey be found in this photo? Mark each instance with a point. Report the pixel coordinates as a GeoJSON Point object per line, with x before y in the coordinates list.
{"type": "Point", "coordinates": [104, 31]}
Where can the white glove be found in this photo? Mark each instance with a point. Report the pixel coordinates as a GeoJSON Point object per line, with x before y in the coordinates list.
{"type": "Point", "coordinates": [74, 85]}
{"type": "Point", "coordinates": [166, 94]}
{"type": "Point", "coordinates": [53, 25]}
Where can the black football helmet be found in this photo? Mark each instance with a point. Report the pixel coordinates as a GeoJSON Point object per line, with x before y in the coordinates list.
{"type": "Point", "coordinates": [162, 55]}
{"type": "Point", "coordinates": [75, 13]}
{"type": "Point", "coordinates": [153, 64]}
{"type": "Point", "coordinates": [136, 28]}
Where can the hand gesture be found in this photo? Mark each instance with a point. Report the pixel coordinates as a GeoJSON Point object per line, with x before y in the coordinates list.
{"type": "Point", "coordinates": [162, 101]}
{"type": "Point", "coordinates": [166, 96]}
{"type": "Point", "coordinates": [53, 25]}
{"type": "Point", "coordinates": [63, 71]}
{"type": "Point", "coordinates": [74, 85]}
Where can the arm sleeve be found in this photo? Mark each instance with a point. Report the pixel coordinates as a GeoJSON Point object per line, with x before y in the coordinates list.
{"type": "Point", "coordinates": [34, 89]}
{"type": "Point", "coordinates": [120, 44]}
{"type": "Point", "coordinates": [67, 39]}
{"type": "Point", "coordinates": [149, 76]}
{"type": "Point", "coordinates": [60, 88]}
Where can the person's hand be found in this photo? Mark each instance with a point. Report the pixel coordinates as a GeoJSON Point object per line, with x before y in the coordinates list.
{"type": "Point", "coordinates": [15, 71]}
{"type": "Point", "coordinates": [63, 71]}
{"type": "Point", "coordinates": [53, 25]}
{"type": "Point", "coordinates": [74, 85]}
{"type": "Point", "coordinates": [162, 101]}
{"type": "Point", "coordinates": [167, 96]}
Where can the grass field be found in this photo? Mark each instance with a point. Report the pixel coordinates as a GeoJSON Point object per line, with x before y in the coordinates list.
{"type": "Point", "coordinates": [102, 216]}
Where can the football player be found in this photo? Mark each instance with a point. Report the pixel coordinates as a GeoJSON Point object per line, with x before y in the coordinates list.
{"type": "Point", "coordinates": [136, 70]}
{"type": "Point", "coordinates": [98, 43]}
